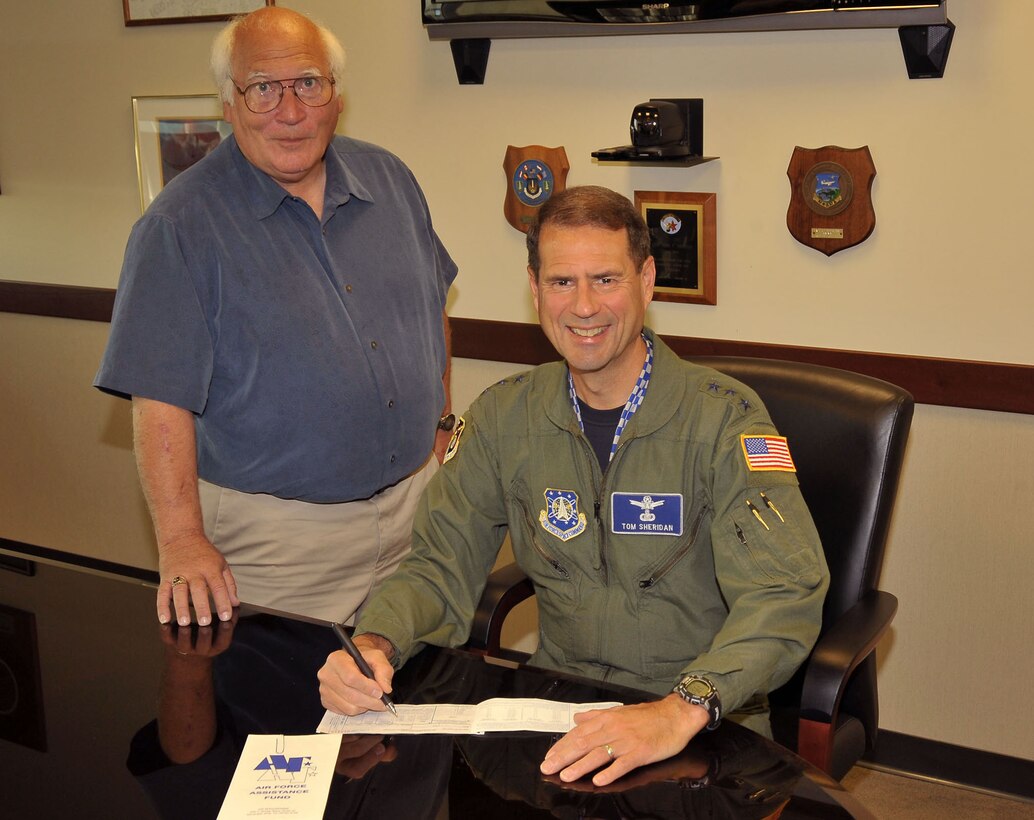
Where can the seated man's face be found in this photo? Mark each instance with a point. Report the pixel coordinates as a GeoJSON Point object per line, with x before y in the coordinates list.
{"type": "Point", "coordinates": [591, 302]}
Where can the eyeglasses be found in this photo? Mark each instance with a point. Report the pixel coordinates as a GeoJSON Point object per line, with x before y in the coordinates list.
{"type": "Point", "coordinates": [265, 95]}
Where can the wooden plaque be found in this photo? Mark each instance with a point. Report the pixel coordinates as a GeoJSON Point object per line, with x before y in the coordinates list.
{"type": "Point", "coordinates": [533, 174]}
{"type": "Point", "coordinates": [830, 197]}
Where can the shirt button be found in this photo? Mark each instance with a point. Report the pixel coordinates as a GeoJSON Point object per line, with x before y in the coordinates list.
{"type": "Point", "coordinates": [373, 345]}
{"type": "Point", "coordinates": [393, 459]}
{"type": "Point", "coordinates": [348, 288]}
{"type": "Point", "coordinates": [391, 403]}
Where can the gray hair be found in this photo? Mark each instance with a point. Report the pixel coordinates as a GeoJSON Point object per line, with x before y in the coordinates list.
{"type": "Point", "coordinates": [222, 53]}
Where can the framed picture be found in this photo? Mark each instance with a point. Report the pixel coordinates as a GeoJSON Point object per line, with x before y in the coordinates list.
{"type": "Point", "coordinates": [172, 133]}
{"type": "Point", "coordinates": [682, 240]}
{"type": "Point", "coordinates": [153, 12]}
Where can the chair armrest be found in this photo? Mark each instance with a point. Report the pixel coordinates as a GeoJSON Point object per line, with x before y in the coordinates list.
{"type": "Point", "coordinates": [505, 588]}
{"type": "Point", "coordinates": [846, 644]}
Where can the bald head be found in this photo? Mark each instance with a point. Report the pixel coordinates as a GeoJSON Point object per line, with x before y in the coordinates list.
{"type": "Point", "coordinates": [265, 24]}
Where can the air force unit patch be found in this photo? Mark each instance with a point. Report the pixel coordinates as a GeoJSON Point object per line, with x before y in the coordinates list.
{"type": "Point", "coordinates": [561, 517]}
{"type": "Point", "coordinates": [646, 513]}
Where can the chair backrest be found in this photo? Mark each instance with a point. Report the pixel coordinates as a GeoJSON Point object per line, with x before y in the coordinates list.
{"type": "Point", "coordinates": [847, 435]}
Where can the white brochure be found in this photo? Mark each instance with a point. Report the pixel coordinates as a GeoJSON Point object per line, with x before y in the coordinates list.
{"type": "Point", "coordinates": [282, 776]}
{"type": "Point", "coordinates": [494, 715]}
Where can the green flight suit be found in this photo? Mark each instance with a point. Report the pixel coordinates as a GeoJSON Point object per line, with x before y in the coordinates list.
{"type": "Point", "coordinates": [709, 590]}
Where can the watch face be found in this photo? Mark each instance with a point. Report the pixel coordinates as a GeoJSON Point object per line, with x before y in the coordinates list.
{"type": "Point", "coordinates": [698, 688]}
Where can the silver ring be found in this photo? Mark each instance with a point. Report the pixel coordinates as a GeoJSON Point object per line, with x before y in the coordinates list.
{"type": "Point", "coordinates": [179, 579]}
{"type": "Point", "coordinates": [609, 750]}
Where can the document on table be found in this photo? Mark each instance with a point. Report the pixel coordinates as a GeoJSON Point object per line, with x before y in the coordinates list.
{"type": "Point", "coordinates": [281, 776]}
{"type": "Point", "coordinates": [494, 715]}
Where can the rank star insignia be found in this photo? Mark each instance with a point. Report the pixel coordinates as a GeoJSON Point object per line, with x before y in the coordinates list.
{"type": "Point", "coordinates": [561, 517]}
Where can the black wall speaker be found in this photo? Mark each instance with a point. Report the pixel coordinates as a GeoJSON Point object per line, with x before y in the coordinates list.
{"type": "Point", "coordinates": [926, 49]}
{"type": "Point", "coordinates": [471, 60]}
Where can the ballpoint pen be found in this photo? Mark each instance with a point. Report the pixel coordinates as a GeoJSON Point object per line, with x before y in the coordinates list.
{"type": "Point", "coordinates": [757, 514]}
{"type": "Point", "coordinates": [360, 661]}
{"type": "Point", "coordinates": [772, 507]}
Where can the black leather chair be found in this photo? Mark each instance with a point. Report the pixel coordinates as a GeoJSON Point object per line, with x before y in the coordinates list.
{"type": "Point", "coordinates": [847, 433]}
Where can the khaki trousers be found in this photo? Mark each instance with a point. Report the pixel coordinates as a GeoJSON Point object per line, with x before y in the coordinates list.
{"type": "Point", "coordinates": [317, 560]}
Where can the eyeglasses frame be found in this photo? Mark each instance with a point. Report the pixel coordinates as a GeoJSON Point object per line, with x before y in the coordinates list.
{"type": "Point", "coordinates": [283, 86]}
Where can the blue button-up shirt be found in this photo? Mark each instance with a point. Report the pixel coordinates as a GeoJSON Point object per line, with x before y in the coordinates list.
{"type": "Point", "coordinates": [310, 351]}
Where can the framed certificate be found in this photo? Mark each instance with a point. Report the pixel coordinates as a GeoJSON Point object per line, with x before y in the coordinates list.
{"type": "Point", "coordinates": [682, 241]}
{"type": "Point", "coordinates": [153, 12]}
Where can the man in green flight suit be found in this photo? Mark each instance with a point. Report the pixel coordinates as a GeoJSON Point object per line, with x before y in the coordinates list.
{"type": "Point", "coordinates": [651, 501]}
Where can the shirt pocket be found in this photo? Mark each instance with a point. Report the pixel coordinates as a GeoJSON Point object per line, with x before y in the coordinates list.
{"type": "Point", "coordinates": [678, 605]}
{"type": "Point", "coordinates": [775, 556]}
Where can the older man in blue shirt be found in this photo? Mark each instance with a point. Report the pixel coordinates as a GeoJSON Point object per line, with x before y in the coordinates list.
{"type": "Point", "coordinates": [279, 326]}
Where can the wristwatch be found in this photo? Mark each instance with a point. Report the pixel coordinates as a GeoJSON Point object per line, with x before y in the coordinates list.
{"type": "Point", "coordinates": [446, 423]}
{"type": "Point", "coordinates": [701, 692]}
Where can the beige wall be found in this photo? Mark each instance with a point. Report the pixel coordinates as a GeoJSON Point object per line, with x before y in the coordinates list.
{"type": "Point", "coordinates": [946, 272]}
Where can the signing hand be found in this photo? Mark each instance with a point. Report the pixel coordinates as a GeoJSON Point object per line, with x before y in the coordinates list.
{"type": "Point", "coordinates": [636, 735]}
{"type": "Point", "coordinates": [204, 572]}
{"type": "Point", "coordinates": [346, 690]}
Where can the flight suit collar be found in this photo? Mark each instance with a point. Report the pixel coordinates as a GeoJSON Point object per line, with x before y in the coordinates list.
{"type": "Point", "coordinates": [659, 405]}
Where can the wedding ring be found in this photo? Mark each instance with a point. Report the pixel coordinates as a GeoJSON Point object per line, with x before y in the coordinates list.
{"type": "Point", "coordinates": [609, 750]}
{"type": "Point", "coordinates": [179, 579]}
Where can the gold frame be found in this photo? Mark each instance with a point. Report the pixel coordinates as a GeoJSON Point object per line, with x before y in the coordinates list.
{"type": "Point", "coordinates": [701, 258]}
{"type": "Point", "coordinates": [155, 12]}
{"type": "Point", "coordinates": [149, 114]}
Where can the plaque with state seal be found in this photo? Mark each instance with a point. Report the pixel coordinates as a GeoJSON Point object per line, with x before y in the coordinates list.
{"type": "Point", "coordinates": [533, 173]}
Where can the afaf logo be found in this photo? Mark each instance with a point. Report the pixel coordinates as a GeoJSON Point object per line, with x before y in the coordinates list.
{"type": "Point", "coordinates": [646, 513]}
{"type": "Point", "coordinates": [282, 767]}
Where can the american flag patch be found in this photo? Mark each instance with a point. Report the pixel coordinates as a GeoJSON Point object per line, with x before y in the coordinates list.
{"type": "Point", "coordinates": [767, 453]}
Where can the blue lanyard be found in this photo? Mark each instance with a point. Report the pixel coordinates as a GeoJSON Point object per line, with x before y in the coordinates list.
{"type": "Point", "coordinates": [634, 399]}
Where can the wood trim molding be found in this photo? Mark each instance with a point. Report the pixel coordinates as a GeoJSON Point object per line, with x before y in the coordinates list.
{"type": "Point", "coordinates": [947, 382]}
{"type": "Point", "coordinates": [61, 301]}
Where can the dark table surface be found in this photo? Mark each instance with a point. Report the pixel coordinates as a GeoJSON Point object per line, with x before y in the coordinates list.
{"type": "Point", "coordinates": [95, 698]}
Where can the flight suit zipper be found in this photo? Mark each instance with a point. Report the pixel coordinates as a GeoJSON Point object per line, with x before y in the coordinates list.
{"type": "Point", "coordinates": [597, 501]}
{"type": "Point", "coordinates": [646, 583]}
{"type": "Point", "coordinates": [542, 552]}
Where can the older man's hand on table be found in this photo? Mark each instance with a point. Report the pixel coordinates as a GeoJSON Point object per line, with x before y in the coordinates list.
{"type": "Point", "coordinates": [192, 570]}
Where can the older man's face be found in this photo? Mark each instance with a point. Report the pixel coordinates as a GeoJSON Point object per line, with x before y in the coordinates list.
{"type": "Point", "coordinates": [591, 302]}
{"type": "Point", "coordinates": [288, 142]}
